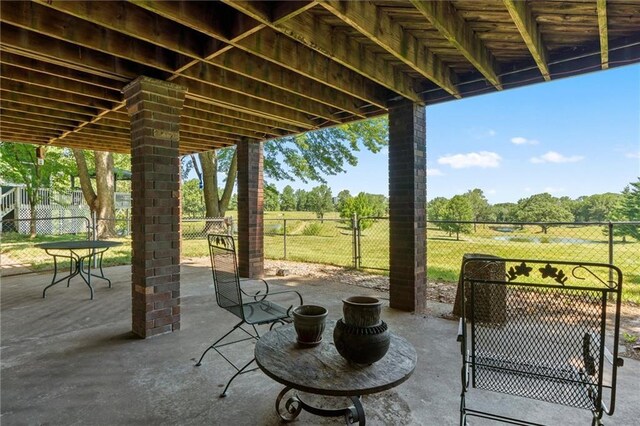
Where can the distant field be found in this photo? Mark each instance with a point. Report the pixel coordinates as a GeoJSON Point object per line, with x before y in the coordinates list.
{"type": "Point", "coordinates": [331, 242]}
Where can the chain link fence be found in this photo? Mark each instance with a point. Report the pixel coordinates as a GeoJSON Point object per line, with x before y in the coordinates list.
{"type": "Point", "coordinates": [358, 243]}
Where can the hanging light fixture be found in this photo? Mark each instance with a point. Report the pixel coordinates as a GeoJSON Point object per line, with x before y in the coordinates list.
{"type": "Point", "coordinates": [40, 155]}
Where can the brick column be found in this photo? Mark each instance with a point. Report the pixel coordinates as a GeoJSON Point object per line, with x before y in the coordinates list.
{"type": "Point", "coordinates": [154, 108]}
{"type": "Point", "coordinates": [250, 209]}
{"type": "Point", "coordinates": [407, 206]}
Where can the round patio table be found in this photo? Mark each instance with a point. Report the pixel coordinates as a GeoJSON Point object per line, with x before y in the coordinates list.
{"type": "Point", "coordinates": [322, 370]}
{"type": "Point", "coordinates": [80, 253]}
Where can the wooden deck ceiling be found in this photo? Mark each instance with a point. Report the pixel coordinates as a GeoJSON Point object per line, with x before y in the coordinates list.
{"type": "Point", "coordinates": [263, 70]}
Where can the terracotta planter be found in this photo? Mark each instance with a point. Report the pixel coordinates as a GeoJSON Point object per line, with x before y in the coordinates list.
{"type": "Point", "coordinates": [309, 322]}
{"type": "Point", "coordinates": [361, 311]}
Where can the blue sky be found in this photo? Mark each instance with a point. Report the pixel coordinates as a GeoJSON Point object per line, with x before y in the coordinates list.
{"type": "Point", "coordinates": [569, 137]}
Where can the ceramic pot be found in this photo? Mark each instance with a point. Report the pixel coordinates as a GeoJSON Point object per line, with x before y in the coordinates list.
{"type": "Point", "coordinates": [361, 345]}
{"type": "Point", "coordinates": [361, 311]}
{"type": "Point", "coordinates": [309, 322]}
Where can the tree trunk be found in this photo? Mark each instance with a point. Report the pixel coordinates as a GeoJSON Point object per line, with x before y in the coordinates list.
{"type": "Point", "coordinates": [100, 203]}
{"type": "Point", "coordinates": [32, 222]}
{"type": "Point", "coordinates": [105, 185]}
{"type": "Point", "coordinates": [216, 206]}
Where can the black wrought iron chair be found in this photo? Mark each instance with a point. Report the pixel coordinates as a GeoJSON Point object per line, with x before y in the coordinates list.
{"type": "Point", "coordinates": [539, 331]}
{"type": "Point", "coordinates": [252, 309]}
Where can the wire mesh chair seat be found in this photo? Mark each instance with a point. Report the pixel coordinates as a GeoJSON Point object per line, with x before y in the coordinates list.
{"type": "Point", "coordinates": [537, 329]}
{"type": "Point", "coordinates": [253, 309]}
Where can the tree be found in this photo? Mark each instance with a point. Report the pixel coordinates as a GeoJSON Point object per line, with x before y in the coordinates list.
{"type": "Point", "coordinates": [597, 207]}
{"type": "Point", "coordinates": [628, 210]}
{"type": "Point", "coordinates": [302, 200]}
{"type": "Point", "coordinates": [342, 198]}
{"type": "Point", "coordinates": [20, 165]}
{"type": "Point", "coordinates": [271, 198]}
{"type": "Point", "coordinates": [436, 208]}
{"type": "Point", "coordinates": [458, 210]}
{"type": "Point", "coordinates": [306, 157]}
{"type": "Point", "coordinates": [543, 208]}
{"type": "Point", "coordinates": [479, 205]}
{"type": "Point", "coordinates": [363, 205]}
{"type": "Point", "coordinates": [505, 212]}
{"type": "Point", "coordinates": [100, 200]}
{"type": "Point", "coordinates": [287, 199]}
{"type": "Point", "coordinates": [192, 200]}
{"type": "Point", "coordinates": [321, 200]}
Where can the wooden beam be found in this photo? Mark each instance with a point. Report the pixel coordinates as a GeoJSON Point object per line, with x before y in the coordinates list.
{"type": "Point", "coordinates": [445, 18]}
{"type": "Point", "coordinates": [59, 71]}
{"type": "Point", "coordinates": [526, 23]}
{"type": "Point", "coordinates": [217, 96]}
{"type": "Point", "coordinates": [128, 19]}
{"type": "Point", "coordinates": [28, 100]}
{"type": "Point", "coordinates": [27, 128]}
{"type": "Point", "coordinates": [42, 111]}
{"type": "Point", "coordinates": [53, 94]}
{"type": "Point", "coordinates": [266, 72]}
{"type": "Point", "coordinates": [604, 32]}
{"type": "Point", "coordinates": [281, 50]}
{"type": "Point", "coordinates": [21, 75]}
{"type": "Point", "coordinates": [376, 25]}
{"type": "Point", "coordinates": [40, 19]}
{"type": "Point", "coordinates": [230, 81]}
{"type": "Point", "coordinates": [197, 117]}
{"type": "Point", "coordinates": [34, 118]}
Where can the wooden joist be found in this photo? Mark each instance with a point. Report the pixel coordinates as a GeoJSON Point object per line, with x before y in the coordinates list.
{"type": "Point", "coordinates": [603, 29]}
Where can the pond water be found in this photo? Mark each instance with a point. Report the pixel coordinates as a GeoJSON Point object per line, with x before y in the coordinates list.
{"type": "Point", "coordinates": [545, 240]}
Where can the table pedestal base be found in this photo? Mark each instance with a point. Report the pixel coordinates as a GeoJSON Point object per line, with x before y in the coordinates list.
{"type": "Point", "coordinates": [294, 405]}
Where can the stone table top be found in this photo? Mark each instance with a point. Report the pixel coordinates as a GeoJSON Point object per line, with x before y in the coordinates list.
{"type": "Point", "coordinates": [322, 370]}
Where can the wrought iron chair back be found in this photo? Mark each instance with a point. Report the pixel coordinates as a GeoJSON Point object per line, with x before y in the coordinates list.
{"type": "Point", "coordinates": [252, 309]}
{"type": "Point", "coordinates": [540, 332]}
{"type": "Point", "coordinates": [224, 268]}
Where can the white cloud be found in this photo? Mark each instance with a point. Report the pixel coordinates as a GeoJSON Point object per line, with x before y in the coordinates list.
{"type": "Point", "coordinates": [434, 172]}
{"type": "Point", "coordinates": [633, 155]}
{"type": "Point", "coordinates": [492, 132]}
{"type": "Point", "coordinates": [555, 157]}
{"type": "Point", "coordinates": [491, 192]}
{"type": "Point", "coordinates": [482, 159]}
{"type": "Point", "coordinates": [519, 140]}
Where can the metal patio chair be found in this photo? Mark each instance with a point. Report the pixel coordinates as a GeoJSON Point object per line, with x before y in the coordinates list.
{"type": "Point", "coordinates": [252, 309]}
{"type": "Point", "coordinates": [539, 331]}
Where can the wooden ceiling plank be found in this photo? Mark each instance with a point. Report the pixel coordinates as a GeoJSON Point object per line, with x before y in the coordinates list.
{"type": "Point", "coordinates": [231, 81]}
{"type": "Point", "coordinates": [194, 125]}
{"type": "Point", "coordinates": [28, 128]}
{"type": "Point", "coordinates": [255, 122]}
{"type": "Point", "coordinates": [35, 118]}
{"type": "Point", "coordinates": [603, 28]}
{"type": "Point", "coordinates": [266, 72]}
{"type": "Point", "coordinates": [59, 71]}
{"type": "Point", "coordinates": [53, 94]}
{"type": "Point", "coordinates": [454, 28]}
{"type": "Point", "coordinates": [132, 21]}
{"type": "Point", "coordinates": [41, 110]}
{"type": "Point", "coordinates": [525, 22]}
{"type": "Point", "coordinates": [28, 100]}
{"type": "Point", "coordinates": [201, 118]}
{"type": "Point", "coordinates": [38, 18]}
{"type": "Point", "coordinates": [375, 24]}
{"type": "Point", "coordinates": [265, 45]}
{"type": "Point", "coordinates": [210, 94]}
{"type": "Point", "coordinates": [21, 75]}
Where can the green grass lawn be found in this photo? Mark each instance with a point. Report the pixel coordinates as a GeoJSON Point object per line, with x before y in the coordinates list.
{"type": "Point", "coordinates": [331, 242]}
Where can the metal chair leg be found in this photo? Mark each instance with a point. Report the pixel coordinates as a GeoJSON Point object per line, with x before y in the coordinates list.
{"type": "Point", "coordinates": [224, 392]}
{"type": "Point", "coordinates": [218, 341]}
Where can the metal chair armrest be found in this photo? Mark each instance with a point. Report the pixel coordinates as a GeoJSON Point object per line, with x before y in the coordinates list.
{"type": "Point", "coordinates": [619, 362]}
{"type": "Point", "coordinates": [284, 292]}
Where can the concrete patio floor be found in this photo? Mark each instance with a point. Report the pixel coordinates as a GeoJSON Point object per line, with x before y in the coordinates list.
{"type": "Point", "coordinates": [67, 360]}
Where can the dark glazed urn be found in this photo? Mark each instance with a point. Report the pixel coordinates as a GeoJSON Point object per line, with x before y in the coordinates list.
{"type": "Point", "coordinates": [361, 345]}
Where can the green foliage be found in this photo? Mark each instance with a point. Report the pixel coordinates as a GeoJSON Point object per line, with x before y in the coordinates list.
{"type": "Point", "coordinates": [313, 155]}
{"type": "Point", "coordinates": [192, 200]}
{"type": "Point", "coordinates": [271, 198]}
{"type": "Point", "coordinates": [628, 209]}
{"type": "Point", "coordinates": [343, 197]}
{"type": "Point", "coordinates": [458, 209]}
{"type": "Point", "coordinates": [320, 200]}
{"type": "Point", "coordinates": [287, 199]}
{"type": "Point", "coordinates": [543, 208]}
{"type": "Point", "coordinates": [505, 212]}
{"type": "Point", "coordinates": [437, 208]}
{"type": "Point", "coordinates": [302, 200]}
{"type": "Point", "coordinates": [480, 206]}
{"type": "Point", "coordinates": [364, 205]}
{"type": "Point", "coordinates": [596, 208]}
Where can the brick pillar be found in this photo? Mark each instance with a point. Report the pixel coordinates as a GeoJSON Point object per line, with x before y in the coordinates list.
{"type": "Point", "coordinates": [250, 209]}
{"type": "Point", "coordinates": [154, 109]}
{"type": "Point", "coordinates": [407, 206]}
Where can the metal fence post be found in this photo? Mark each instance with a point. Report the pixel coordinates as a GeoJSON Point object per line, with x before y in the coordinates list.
{"type": "Point", "coordinates": [354, 232]}
{"type": "Point", "coordinates": [284, 232]}
{"type": "Point", "coordinates": [610, 225]}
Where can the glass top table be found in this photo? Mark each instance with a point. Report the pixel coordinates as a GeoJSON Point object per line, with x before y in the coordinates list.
{"type": "Point", "coordinates": [321, 370]}
{"type": "Point", "coordinates": [80, 254]}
